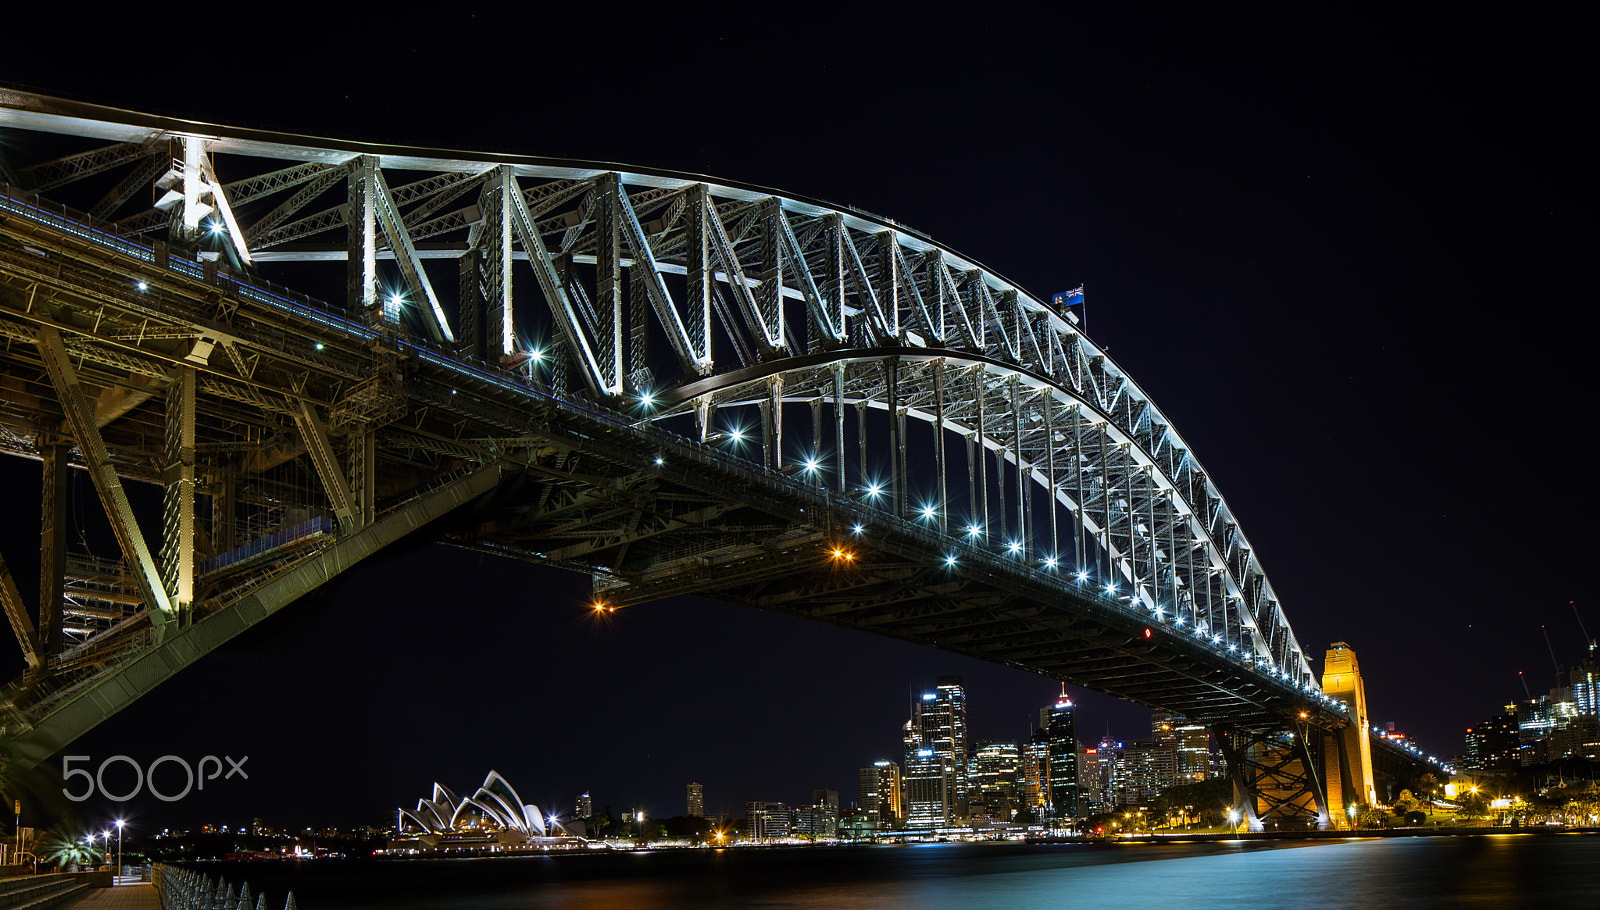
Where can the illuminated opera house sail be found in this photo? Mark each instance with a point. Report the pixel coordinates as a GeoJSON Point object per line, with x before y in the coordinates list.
{"type": "Point", "coordinates": [493, 816]}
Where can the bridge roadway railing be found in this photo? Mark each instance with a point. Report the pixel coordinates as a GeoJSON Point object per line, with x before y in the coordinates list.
{"type": "Point", "coordinates": [83, 227]}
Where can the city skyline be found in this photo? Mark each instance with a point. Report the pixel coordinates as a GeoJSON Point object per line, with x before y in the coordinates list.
{"type": "Point", "coordinates": [1302, 261]}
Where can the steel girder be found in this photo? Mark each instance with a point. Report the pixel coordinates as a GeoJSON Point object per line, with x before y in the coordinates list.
{"type": "Point", "coordinates": [764, 301]}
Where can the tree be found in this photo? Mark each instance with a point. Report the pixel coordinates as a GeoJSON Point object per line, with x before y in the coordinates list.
{"type": "Point", "coordinates": [66, 850]}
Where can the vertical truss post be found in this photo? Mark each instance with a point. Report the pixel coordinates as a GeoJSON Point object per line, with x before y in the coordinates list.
{"type": "Point", "coordinates": [195, 208]}
{"type": "Point", "coordinates": [702, 416]}
{"type": "Point", "coordinates": [889, 281]}
{"type": "Point", "coordinates": [1081, 527]}
{"type": "Point", "coordinates": [497, 262]}
{"type": "Point", "coordinates": [833, 270]}
{"type": "Point", "coordinates": [940, 490]}
{"type": "Point", "coordinates": [361, 264]}
{"type": "Point", "coordinates": [861, 440]}
{"type": "Point", "coordinates": [177, 512]}
{"type": "Point", "coordinates": [469, 291]}
{"type": "Point", "coordinates": [897, 437]}
{"type": "Point", "coordinates": [638, 326]}
{"type": "Point", "coordinates": [773, 420]}
{"type": "Point", "coordinates": [53, 547]}
{"type": "Point", "coordinates": [225, 493]}
{"type": "Point", "coordinates": [979, 393]}
{"type": "Point", "coordinates": [1105, 502]}
{"type": "Point", "coordinates": [362, 455]}
{"type": "Point", "coordinates": [17, 615]}
{"type": "Point", "coordinates": [697, 305]}
{"type": "Point", "coordinates": [1050, 471]}
{"type": "Point", "coordinates": [80, 417]}
{"type": "Point", "coordinates": [770, 296]}
{"type": "Point", "coordinates": [838, 421]}
{"type": "Point", "coordinates": [816, 438]}
{"type": "Point", "coordinates": [608, 281]}
{"type": "Point", "coordinates": [1022, 480]}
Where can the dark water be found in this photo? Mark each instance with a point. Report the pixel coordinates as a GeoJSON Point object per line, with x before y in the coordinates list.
{"type": "Point", "coordinates": [1492, 871]}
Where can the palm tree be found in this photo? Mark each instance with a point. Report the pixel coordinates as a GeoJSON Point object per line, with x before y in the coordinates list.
{"type": "Point", "coordinates": [67, 850]}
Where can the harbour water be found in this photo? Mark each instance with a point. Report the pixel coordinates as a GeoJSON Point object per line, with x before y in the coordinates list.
{"type": "Point", "coordinates": [1529, 870]}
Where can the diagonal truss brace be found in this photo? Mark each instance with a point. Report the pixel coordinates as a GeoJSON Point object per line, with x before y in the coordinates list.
{"type": "Point", "coordinates": [599, 379]}
{"type": "Point", "coordinates": [80, 417]}
{"type": "Point", "coordinates": [314, 436]}
{"type": "Point", "coordinates": [17, 613]}
{"type": "Point", "coordinates": [694, 354]}
{"type": "Point", "coordinates": [406, 257]}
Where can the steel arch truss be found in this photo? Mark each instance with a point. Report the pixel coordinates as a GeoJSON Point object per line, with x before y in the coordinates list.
{"type": "Point", "coordinates": [674, 299]}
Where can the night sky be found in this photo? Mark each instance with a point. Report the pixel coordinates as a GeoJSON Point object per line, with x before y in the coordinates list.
{"type": "Point", "coordinates": [1347, 254]}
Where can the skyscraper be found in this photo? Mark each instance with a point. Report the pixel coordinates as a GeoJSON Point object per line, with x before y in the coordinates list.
{"type": "Point", "coordinates": [941, 725]}
{"type": "Point", "coordinates": [1062, 738]}
{"type": "Point", "coordinates": [994, 778]}
{"type": "Point", "coordinates": [929, 785]}
{"type": "Point", "coordinates": [585, 805]}
{"type": "Point", "coordinates": [697, 801]}
{"type": "Point", "coordinates": [880, 795]}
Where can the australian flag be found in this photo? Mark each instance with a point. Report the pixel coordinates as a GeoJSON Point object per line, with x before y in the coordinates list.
{"type": "Point", "coordinates": [1065, 299]}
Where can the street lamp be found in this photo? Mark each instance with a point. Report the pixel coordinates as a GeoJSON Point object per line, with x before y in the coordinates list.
{"type": "Point", "coordinates": [118, 879]}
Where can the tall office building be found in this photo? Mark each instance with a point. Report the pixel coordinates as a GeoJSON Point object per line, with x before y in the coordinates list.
{"type": "Point", "coordinates": [941, 725]}
{"type": "Point", "coordinates": [1493, 744]}
{"type": "Point", "coordinates": [585, 805]}
{"type": "Point", "coordinates": [767, 820]}
{"type": "Point", "coordinates": [994, 779]}
{"type": "Point", "coordinates": [1062, 737]}
{"type": "Point", "coordinates": [930, 789]}
{"type": "Point", "coordinates": [1036, 776]}
{"type": "Point", "coordinates": [697, 801]}
{"type": "Point", "coordinates": [880, 795]}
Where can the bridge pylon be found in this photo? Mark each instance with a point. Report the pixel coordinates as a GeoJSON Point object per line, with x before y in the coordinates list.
{"type": "Point", "coordinates": [1350, 778]}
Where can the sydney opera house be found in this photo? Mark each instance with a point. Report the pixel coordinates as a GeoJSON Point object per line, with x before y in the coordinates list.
{"type": "Point", "coordinates": [492, 819]}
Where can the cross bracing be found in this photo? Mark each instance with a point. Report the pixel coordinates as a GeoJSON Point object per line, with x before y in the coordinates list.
{"type": "Point", "coordinates": [877, 376]}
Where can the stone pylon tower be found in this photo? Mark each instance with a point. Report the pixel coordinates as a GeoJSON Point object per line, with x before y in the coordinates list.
{"type": "Point", "coordinates": [1350, 776]}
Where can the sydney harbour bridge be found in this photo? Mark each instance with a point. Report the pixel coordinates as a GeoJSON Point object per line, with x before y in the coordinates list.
{"type": "Point", "coordinates": [669, 384]}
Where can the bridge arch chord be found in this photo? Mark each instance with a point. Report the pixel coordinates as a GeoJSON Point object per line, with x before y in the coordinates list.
{"type": "Point", "coordinates": [657, 286]}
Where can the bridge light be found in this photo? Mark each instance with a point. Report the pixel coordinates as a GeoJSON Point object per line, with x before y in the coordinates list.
{"type": "Point", "coordinates": [1148, 633]}
{"type": "Point", "coordinates": [215, 226]}
{"type": "Point", "coordinates": [874, 490]}
{"type": "Point", "coordinates": [1050, 562]}
{"type": "Point", "coordinates": [660, 460]}
{"type": "Point", "coordinates": [1014, 547]}
{"type": "Point", "coordinates": [973, 530]}
{"type": "Point", "coordinates": [736, 434]}
{"type": "Point", "coordinates": [811, 465]}
{"type": "Point", "coordinates": [143, 286]}
{"type": "Point", "coordinates": [950, 560]}
{"type": "Point", "coordinates": [646, 399]}
{"type": "Point", "coordinates": [1111, 588]}
{"type": "Point", "coordinates": [319, 345]}
{"type": "Point", "coordinates": [1083, 576]}
{"type": "Point", "coordinates": [929, 511]}
{"type": "Point", "coordinates": [536, 355]}
{"type": "Point", "coordinates": [857, 528]}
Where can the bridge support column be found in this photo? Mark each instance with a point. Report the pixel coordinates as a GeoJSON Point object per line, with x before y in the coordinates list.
{"type": "Point", "coordinates": [1277, 777]}
{"type": "Point", "coordinates": [177, 513]}
{"type": "Point", "coordinates": [53, 546]}
{"type": "Point", "coordinates": [1352, 783]}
